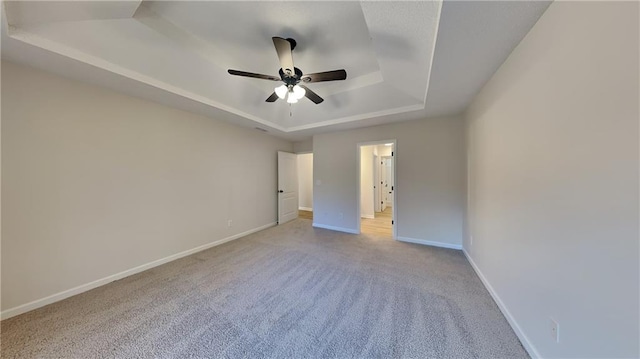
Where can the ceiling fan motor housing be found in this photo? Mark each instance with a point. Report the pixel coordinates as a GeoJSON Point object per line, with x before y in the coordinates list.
{"type": "Point", "coordinates": [291, 80]}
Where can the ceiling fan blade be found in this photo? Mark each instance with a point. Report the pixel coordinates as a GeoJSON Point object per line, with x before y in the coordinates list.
{"type": "Point", "coordinates": [283, 48]}
{"type": "Point", "coordinates": [251, 74]}
{"type": "Point", "coordinates": [272, 98]}
{"type": "Point", "coordinates": [325, 76]}
{"type": "Point", "coordinates": [311, 95]}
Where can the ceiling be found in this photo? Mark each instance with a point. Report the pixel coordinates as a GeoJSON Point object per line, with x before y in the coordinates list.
{"type": "Point", "coordinates": [404, 60]}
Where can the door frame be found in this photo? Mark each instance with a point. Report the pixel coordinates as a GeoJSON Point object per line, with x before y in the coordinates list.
{"type": "Point", "coordinates": [394, 149]}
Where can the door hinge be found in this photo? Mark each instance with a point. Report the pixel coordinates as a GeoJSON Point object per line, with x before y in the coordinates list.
{"type": "Point", "coordinates": [391, 153]}
{"type": "Point", "coordinates": [392, 188]}
{"type": "Point", "coordinates": [392, 222]}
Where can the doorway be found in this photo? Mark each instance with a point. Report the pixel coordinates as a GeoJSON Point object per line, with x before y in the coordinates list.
{"type": "Point", "coordinates": [377, 188]}
{"type": "Point", "coordinates": [305, 185]}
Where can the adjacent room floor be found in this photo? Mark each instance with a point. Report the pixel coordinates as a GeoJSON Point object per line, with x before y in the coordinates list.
{"type": "Point", "coordinates": [290, 291]}
{"type": "Point", "coordinates": [305, 214]}
{"type": "Point", "coordinates": [380, 225]}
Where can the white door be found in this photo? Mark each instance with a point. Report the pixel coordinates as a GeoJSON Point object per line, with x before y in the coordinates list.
{"type": "Point", "coordinates": [383, 185]}
{"type": "Point", "coordinates": [287, 187]}
{"type": "Point", "coordinates": [376, 184]}
{"type": "Point", "coordinates": [389, 180]}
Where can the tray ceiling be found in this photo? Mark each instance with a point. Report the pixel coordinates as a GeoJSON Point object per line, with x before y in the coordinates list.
{"type": "Point", "coordinates": [178, 53]}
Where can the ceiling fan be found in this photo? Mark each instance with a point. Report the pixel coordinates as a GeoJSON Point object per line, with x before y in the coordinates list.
{"type": "Point", "coordinates": [293, 88]}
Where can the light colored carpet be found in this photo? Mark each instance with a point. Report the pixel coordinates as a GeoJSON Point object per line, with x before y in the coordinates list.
{"type": "Point", "coordinates": [288, 292]}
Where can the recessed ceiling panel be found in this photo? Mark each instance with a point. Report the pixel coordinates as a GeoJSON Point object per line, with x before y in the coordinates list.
{"type": "Point", "coordinates": [404, 49]}
{"type": "Point", "coordinates": [329, 35]}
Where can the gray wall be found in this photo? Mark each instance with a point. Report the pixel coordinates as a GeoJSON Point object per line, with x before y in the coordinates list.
{"type": "Point", "coordinates": [430, 182]}
{"type": "Point", "coordinates": [303, 146]}
{"type": "Point", "coordinates": [95, 183]}
{"type": "Point", "coordinates": [553, 182]}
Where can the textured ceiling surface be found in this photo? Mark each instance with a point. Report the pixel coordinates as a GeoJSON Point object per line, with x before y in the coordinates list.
{"type": "Point", "coordinates": [404, 60]}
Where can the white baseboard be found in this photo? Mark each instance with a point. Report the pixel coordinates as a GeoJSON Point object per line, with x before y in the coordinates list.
{"type": "Point", "coordinates": [11, 312]}
{"type": "Point", "coordinates": [305, 209]}
{"type": "Point", "coordinates": [339, 229]}
{"type": "Point", "coordinates": [430, 243]}
{"type": "Point", "coordinates": [369, 216]}
{"type": "Point", "coordinates": [526, 343]}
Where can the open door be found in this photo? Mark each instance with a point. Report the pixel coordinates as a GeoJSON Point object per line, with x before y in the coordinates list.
{"type": "Point", "coordinates": [388, 181]}
{"type": "Point", "coordinates": [287, 187]}
{"type": "Point", "coordinates": [383, 185]}
{"type": "Point", "coordinates": [376, 184]}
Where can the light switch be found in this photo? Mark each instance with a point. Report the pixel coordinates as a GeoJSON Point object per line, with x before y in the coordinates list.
{"type": "Point", "coordinates": [318, 182]}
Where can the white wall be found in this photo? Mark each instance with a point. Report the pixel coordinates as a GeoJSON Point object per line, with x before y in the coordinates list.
{"type": "Point", "coordinates": [430, 167]}
{"type": "Point", "coordinates": [303, 146]}
{"type": "Point", "coordinates": [96, 183]}
{"type": "Point", "coordinates": [553, 182]}
{"type": "Point", "coordinates": [366, 182]}
{"type": "Point", "coordinates": [305, 181]}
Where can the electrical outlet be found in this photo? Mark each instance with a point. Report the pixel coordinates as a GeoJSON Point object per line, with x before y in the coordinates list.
{"type": "Point", "coordinates": [555, 330]}
{"type": "Point", "coordinates": [229, 223]}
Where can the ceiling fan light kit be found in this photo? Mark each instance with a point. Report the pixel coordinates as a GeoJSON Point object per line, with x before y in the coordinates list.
{"type": "Point", "coordinates": [291, 76]}
{"type": "Point", "coordinates": [281, 91]}
{"type": "Point", "coordinates": [292, 99]}
{"type": "Point", "coordinates": [291, 93]}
